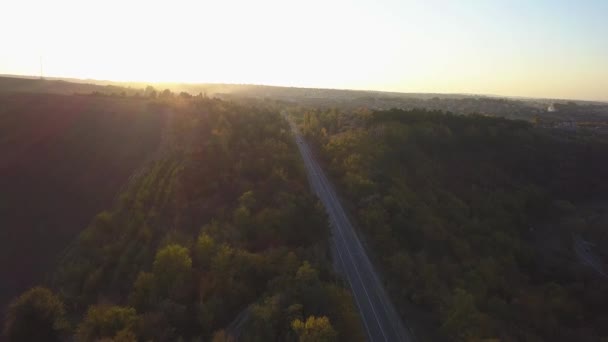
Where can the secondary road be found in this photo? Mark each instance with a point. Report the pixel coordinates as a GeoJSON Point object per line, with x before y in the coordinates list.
{"type": "Point", "coordinates": [380, 319]}
{"type": "Point", "coordinates": [584, 251]}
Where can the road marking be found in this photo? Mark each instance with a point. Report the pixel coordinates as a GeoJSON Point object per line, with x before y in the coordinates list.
{"type": "Point", "coordinates": [366, 260]}
{"type": "Point", "coordinates": [351, 286]}
{"type": "Point", "coordinates": [331, 207]}
{"type": "Point", "coordinates": [352, 259]}
{"type": "Point", "coordinates": [328, 197]}
{"type": "Point", "coordinates": [317, 186]}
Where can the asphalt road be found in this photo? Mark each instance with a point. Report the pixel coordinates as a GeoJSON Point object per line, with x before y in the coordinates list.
{"type": "Point", "coordinates": [584, 251]}
{"type": "Point", "coordinates": [380, 319]}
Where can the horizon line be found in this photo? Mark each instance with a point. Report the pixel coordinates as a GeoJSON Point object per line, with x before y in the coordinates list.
{"type": "Point", "coordinates": [488, 95]}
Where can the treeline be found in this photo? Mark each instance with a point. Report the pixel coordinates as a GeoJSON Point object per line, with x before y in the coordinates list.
{"type": "Point", "coordinates": [220, 237]}
{"type": "Point", "coordinates": [147, 93]}
{"type": "Point", "coordinates": [448, 203]}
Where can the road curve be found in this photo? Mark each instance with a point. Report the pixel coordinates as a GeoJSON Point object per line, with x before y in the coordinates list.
{"type": "Point", "coordinates": [380, 319]}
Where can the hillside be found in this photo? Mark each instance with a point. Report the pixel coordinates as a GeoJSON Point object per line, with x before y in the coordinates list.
{"type": "Point", "coordinates": [475, 220]}
{"type": "Point", "coordinates": [9, 84]}
{"type": "Point", "coordinates": [154, 215]}
{"type": "Point", "coordinates": [216, 236]}
{"type": "Point", "coordinates": [63, 160]}
{"type": "Point", "coordinates": [590, 114]}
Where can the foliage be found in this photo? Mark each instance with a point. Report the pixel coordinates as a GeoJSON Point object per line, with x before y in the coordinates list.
{"type": "Point", "coordinates": [64, 158]}
{"type": "Point", "coordinates": [219, 225]}
{"type": "Point", "coordinates": [447, 203]}
{"type": "Point", "coordinates": [36, 315]}
{"type": "Point", "coordinates": [314, 329]}
{"type": "Point", "coordinates": [106, 322]}
{"type": "Point", "coordinates": [172, 270]}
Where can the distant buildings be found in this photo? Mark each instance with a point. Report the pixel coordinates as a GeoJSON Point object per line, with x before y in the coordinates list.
{"type": "Point", "coordinates": [566, 125]}
{"type": "Point", "coordinates": [551, 108]}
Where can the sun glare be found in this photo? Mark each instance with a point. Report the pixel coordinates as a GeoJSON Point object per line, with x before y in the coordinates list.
{"type": "Point", "coordinates": [437, 46]}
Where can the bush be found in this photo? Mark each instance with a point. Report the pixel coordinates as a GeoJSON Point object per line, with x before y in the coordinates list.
{"type": "Point", "coordinates": [106, 322]}
{"type": "Point", "coordinates": [36, 315]}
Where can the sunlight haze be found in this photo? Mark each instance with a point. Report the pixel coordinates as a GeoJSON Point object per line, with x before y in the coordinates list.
{"type": "Point", "coordinates": [556, 49]}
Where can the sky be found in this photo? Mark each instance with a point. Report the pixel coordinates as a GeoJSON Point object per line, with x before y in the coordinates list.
{"type": "Point", "coordinates": [531, 48]}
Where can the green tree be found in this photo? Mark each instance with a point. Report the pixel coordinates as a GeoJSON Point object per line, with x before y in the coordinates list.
{"type": "Point", "coordinates": [247, 199]}
{"type": "Point", "coordinates": [173, 270]}
{"type": "Point", "coordinates": [462, 319]}
{"type": "Point", "coordinates": [264, 320]}
{"type": "Point", "coordinates": [204, 250]}
{"type": "Point", "coordinates": [306, 274]}
{"type": "Point", "coordinates": [36, 315]}
{"type": "Point", "coordinates": [125, 335]}
{"type": "Point", "coordinates": [143, 296]}
{"type": "Point", "coordinates": [222, 336]}
{"type": "Point", "coordinates": [106, 322]}
{"type": "Point", "coordinates": [315, 329]}
{"type": "Point", "coordinates": [242, 217]}
{"type": "Point", "coordinates": [310, 289]}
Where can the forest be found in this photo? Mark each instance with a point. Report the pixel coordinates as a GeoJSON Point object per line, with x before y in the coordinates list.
{"type": "Point", "coordinates": [191, 218]}
{"type": "Point", "coordinates": [450, 205]}
{"type": "Point", "coordinates": [217, 236]}
{"type": "Point", "coordinates": [63, 159]}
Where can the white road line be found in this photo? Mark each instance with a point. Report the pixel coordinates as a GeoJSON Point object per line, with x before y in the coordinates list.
{"type": "Point", "coordinates": [316, 187]}
{"type": "Point", "coordinates": [334, 210]}
{"type": "Point", "coordinates": [366, 260]}
{"type": "Point", "coordinates": [351, 286]}
{"type": "Point", "coordinates": [352, 258]}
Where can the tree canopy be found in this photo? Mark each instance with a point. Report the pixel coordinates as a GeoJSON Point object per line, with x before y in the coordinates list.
{"type": "Point", "coordinates": [448, 204]}
{"type": "Point", "coordinates": [219, 226]}
{"type": "Point", "coordinates": [36, 315]}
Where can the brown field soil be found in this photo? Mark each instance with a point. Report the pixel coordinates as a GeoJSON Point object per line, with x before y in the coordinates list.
{"type": "Point", "coordinates": [62, 160]}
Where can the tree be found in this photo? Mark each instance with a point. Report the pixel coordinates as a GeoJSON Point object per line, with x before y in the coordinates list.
{"type": "Point", "coordinates": [166, 94]}
{"type": "Point", "coordinates": [242, 217]}
{"type": "Point", "coordinates": [150, 92]}
{"type": "Point", "coordinates": [106, 322]}
{"type": "Point", "coordinates": [315, 329]}
{"type": "Point", "coordinates": [204, 250]}
{"type": "Point", "coordinates": [36, 315]}
{"type": "Point", "coordinates": [462, 319]}
{"type": "Point", "coordinates": [125, 335]}
{"type": "Point", "coordinates": [306, 274]}
{"type": "Point", "coordinates": [247, 199]}
{"type": "Point", "coordinates": [173, 269]}
{"type": "Point", "coordinates": [264, 319]}
{"type": "Point", "coordinates": [309, 289]}
{"type": "Point", "coordinates": [222, 336]}
{"type": "Point", "coordinates": [144, 291]}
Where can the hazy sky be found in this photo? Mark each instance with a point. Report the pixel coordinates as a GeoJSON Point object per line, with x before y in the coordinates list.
{"type": "Point", "coordinates": [534, 48]}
